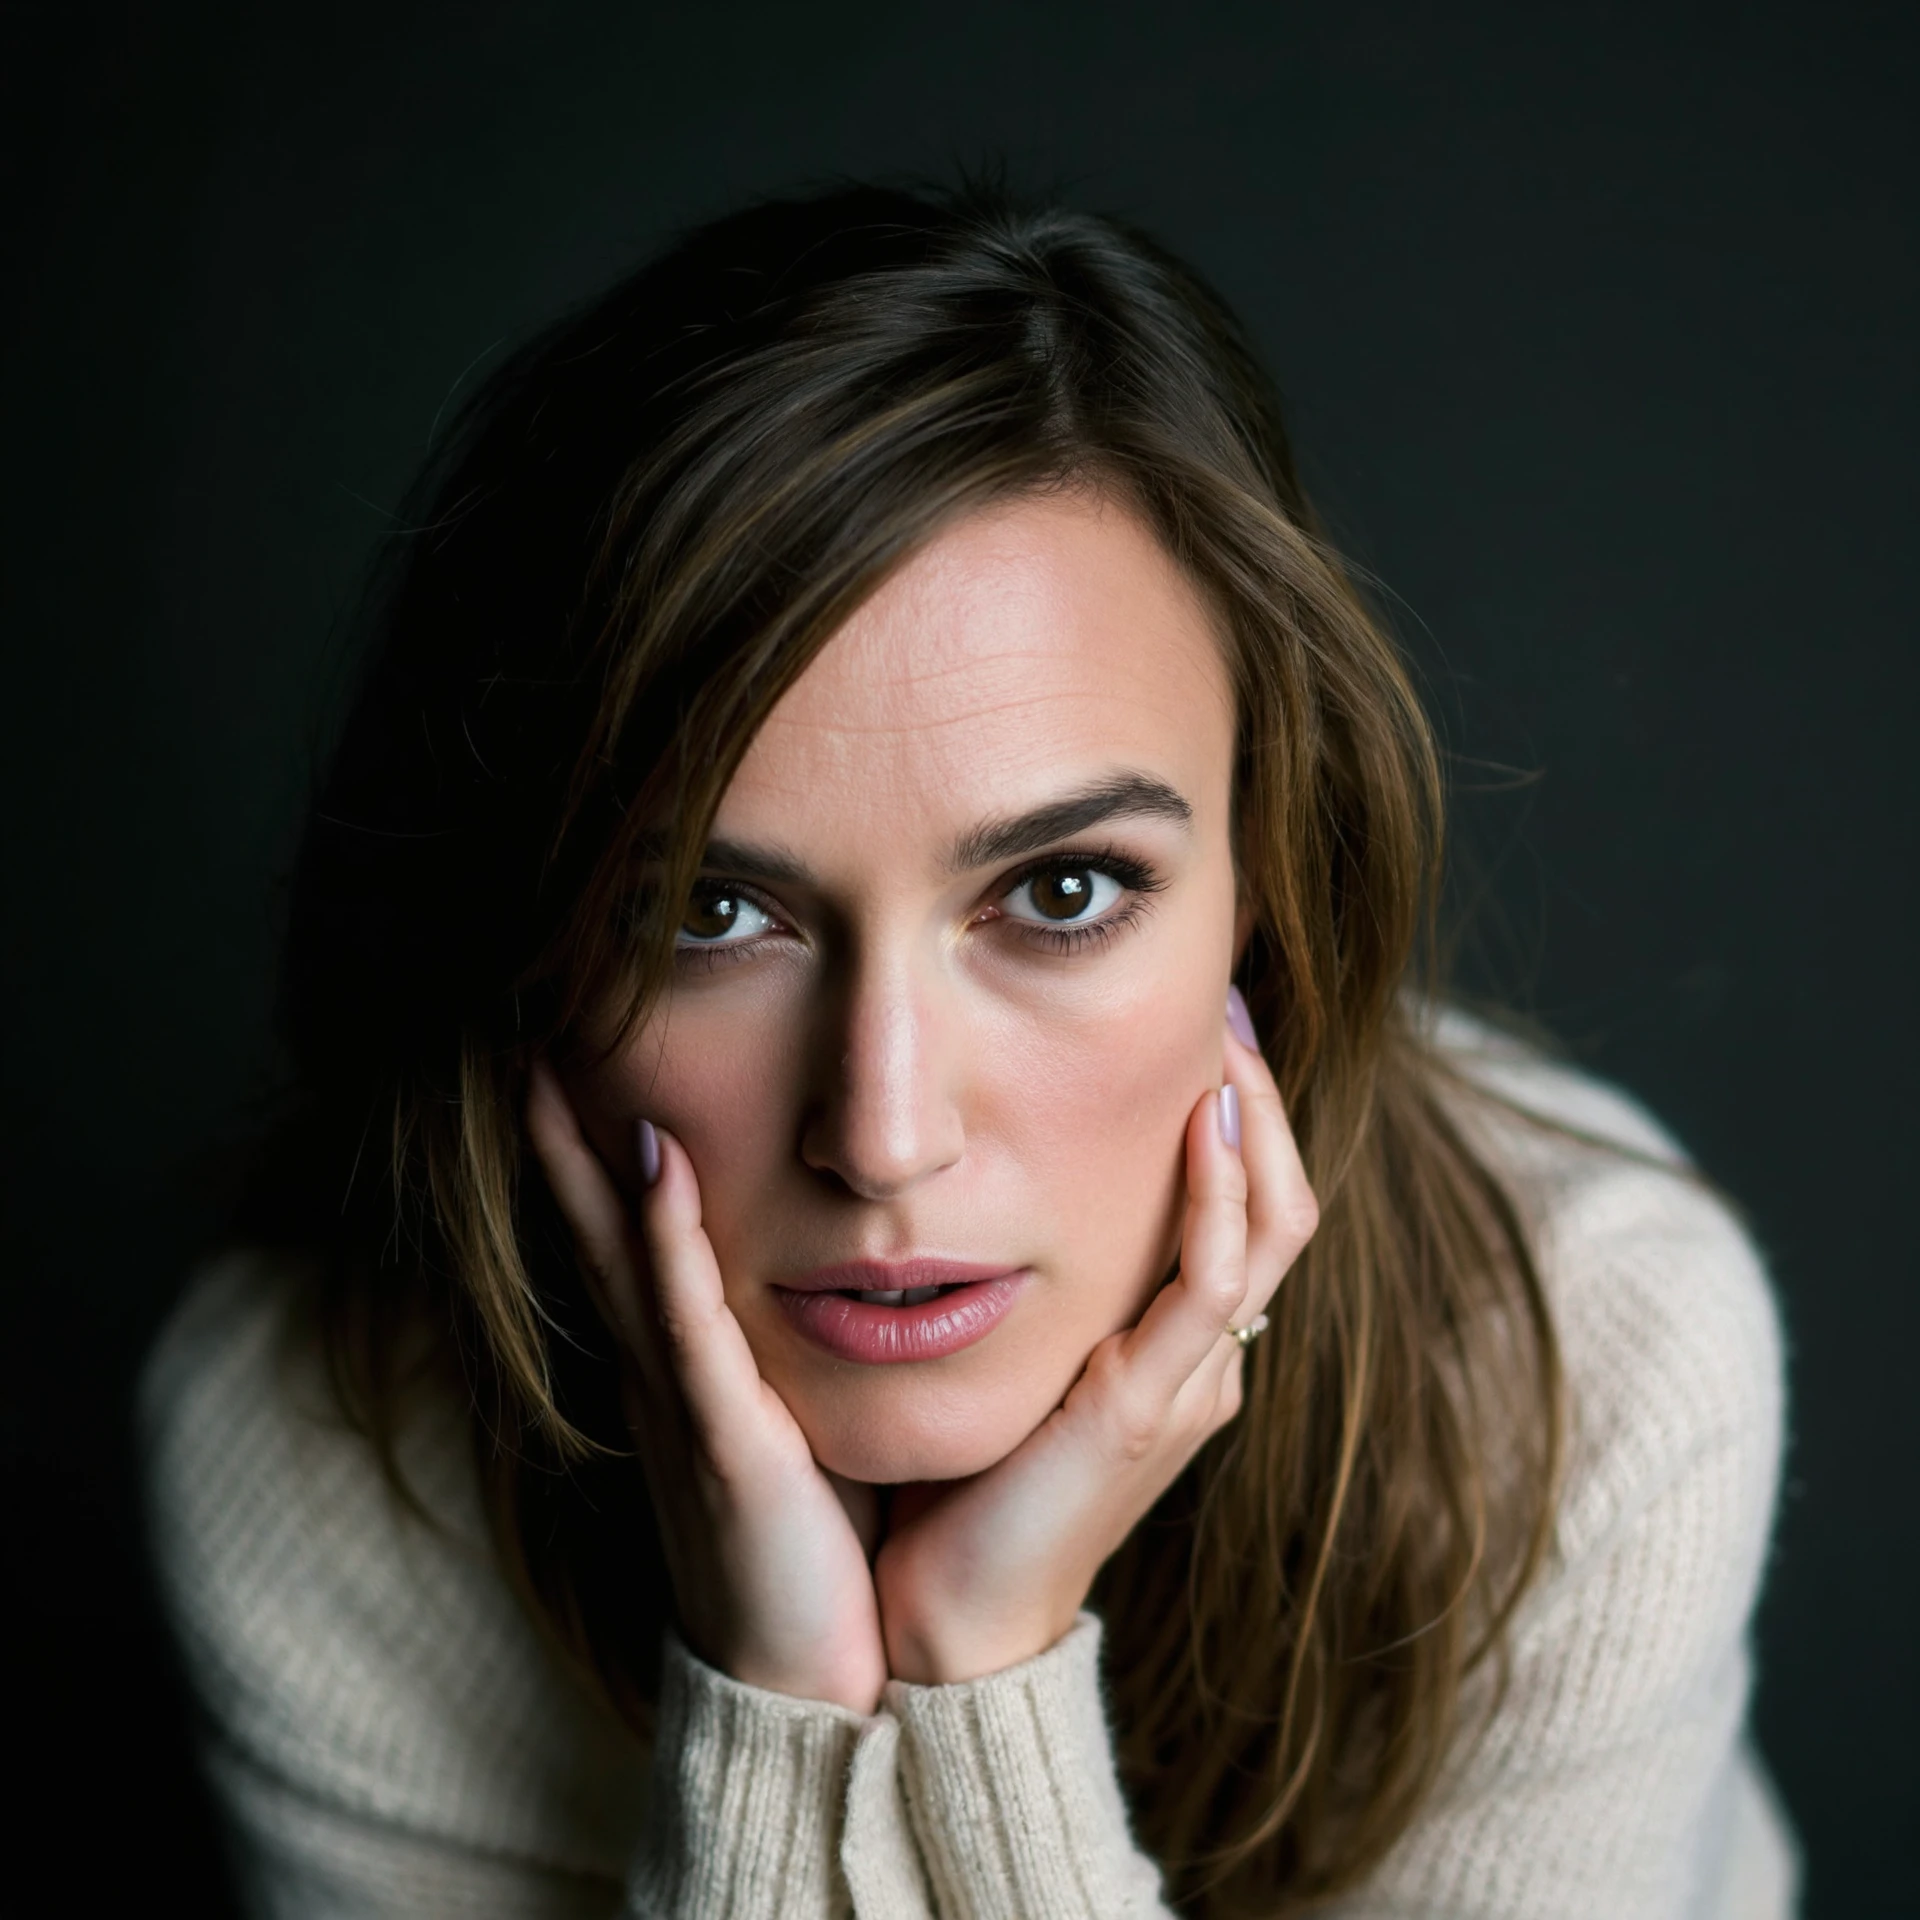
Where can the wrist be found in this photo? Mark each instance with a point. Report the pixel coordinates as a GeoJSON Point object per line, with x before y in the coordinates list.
{"type": "Point", "coordinates": [922, 1654]}
{"type": "Point", "coordinates": [853, 1681]}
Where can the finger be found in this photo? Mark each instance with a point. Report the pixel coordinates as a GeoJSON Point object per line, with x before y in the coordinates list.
{"type": "Point", "coordinates": [1197, 1407]}
{"type": "Point", "coordinates": [1282, 1212]}
{"type": "Point", "coordinates": [1185, 1320]}
{"type": "Point", "coordinates": [1232, 1391]}
{"type": "Point", "coordinates": [589, 1202]}
{"type": "Point", "coordinates": [710, 1357]}
{"type": "Point", "coordinates": [611, 1265]}
{"type": "Point", "coordinates": [1213, 1394]}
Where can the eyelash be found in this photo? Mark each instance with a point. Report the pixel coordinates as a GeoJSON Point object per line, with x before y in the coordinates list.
{"type": "Point", "coordinates": [1135, 875]}
{"type": "Point", "coordinates": [1096, 933]}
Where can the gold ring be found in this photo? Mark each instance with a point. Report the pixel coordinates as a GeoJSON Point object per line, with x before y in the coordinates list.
{"type": "Point", "coordinates": [1248, 1334]}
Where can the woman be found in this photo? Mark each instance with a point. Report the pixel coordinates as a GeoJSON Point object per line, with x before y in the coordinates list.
{"type": "Point", "coordinates": [888, 1293]}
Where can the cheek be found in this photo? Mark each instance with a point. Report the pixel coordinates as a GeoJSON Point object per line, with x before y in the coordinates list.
{"type": "Point", "coordinates": [1100, 1137]}
{"type": "Point", "coordinates": [719, 1086]}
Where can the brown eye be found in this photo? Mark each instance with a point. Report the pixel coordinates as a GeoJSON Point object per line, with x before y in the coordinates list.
{"type": "Point", "coordinates": [721, 915]}
{"type": "Point", "coordinates": [1061, 894]}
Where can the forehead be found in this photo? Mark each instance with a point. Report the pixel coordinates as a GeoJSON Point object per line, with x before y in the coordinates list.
{"type": "Point", "coordinates": [1029, 646]}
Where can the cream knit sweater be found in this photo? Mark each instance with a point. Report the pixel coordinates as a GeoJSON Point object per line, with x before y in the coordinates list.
{"type": "Point", "coordinates": [389, 1736]}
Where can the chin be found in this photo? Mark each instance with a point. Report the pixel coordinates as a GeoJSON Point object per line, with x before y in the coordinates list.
{"type": "Point", "coordinates": [908, 1435]}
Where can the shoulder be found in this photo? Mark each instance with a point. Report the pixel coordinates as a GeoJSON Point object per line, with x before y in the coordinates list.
{"type": "Point", "coordinates": [1619, 1727]}
{"type": "Point", "coordinates": [352, 1651]}
{"type": "Point", "coordinates": [1669, 1333]}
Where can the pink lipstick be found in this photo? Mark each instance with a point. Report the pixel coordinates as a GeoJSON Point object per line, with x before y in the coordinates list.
{"type": "Point", "coordinates": [880, 1311]}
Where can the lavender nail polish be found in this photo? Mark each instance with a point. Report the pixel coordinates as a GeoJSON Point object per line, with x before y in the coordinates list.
{"type": "Point", "coordinates": [1230, 1116]}
{"type": "Point", "coordinates": [1240, 1021]}
{"type": "Point", "coordinates": [649, 1153]}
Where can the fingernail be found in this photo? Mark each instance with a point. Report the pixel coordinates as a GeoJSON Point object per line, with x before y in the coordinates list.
{"type": "Point", "coordinates": [650, 1152]}
{"type": "Point", "coordinates": [1240, 1021]}
{"type": "Point", "coordinates": [1230, 1116]}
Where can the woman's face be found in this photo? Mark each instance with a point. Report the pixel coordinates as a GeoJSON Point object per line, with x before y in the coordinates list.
{"type": "Point", "coordinates": [951, 985]}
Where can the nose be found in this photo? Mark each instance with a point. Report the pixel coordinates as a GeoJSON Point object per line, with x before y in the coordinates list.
{"type": "Point", "coordinates": [885, 1117]}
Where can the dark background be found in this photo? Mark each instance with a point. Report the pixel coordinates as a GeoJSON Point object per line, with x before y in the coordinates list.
{"type": "Point", "coordinates": [1597, 324]}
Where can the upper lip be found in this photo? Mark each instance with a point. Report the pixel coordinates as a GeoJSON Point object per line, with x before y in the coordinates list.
{"type": "Point", "coordinates": [895, 1276]}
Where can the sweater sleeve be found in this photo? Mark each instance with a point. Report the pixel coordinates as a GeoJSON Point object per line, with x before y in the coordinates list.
{"type": "Point", "coordinates": [1012, 1796]}
{"type": "Point", "coordinates": [991, 1800]}
{"type": "Point", "coordinates": [745, 1813]}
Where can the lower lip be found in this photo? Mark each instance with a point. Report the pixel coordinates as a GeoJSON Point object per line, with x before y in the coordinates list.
{"type": "Point", "coordinates": [851, 1329]}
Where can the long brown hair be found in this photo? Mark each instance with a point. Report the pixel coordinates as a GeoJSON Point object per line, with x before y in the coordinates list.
{"type": "Point", "coordinates": [642, 527]}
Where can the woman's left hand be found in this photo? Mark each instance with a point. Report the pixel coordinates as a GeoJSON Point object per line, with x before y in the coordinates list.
{"type": "Point", "coordinates": [984, 1573]}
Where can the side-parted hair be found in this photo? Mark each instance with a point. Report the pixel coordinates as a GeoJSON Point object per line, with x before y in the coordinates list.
{"type": "Point", "coordinates": [639, 531]}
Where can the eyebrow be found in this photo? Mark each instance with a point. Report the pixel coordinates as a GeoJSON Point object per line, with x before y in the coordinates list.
{"type": "Point", "coordinates": [1119, 796]}
{"type": "Point", "coordinates": [739, 860]}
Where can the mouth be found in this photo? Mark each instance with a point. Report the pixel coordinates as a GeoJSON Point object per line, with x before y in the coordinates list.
{"type": "Point", "coordinates": [877, 1313]}
{"type": "Point", "coordinates": [898, 1297]}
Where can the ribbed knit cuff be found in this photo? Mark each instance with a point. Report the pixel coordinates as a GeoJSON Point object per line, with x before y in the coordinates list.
{"type": "Point", "coordinates": [744, 1818]}
{"type": "Point", "coordinates": [1011, 1789]}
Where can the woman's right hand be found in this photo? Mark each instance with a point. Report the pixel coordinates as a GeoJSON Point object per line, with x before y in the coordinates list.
{"type": "Point", "coordinates": [770, 1578]}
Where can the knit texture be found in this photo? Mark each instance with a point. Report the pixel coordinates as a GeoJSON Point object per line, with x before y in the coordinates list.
{"type": "Point", "coordinates": [390, 1735]}
{"type": "Point", "coordinates": [768, 1776]}
{"type": "Point", "coordinates": [1012, 1795]}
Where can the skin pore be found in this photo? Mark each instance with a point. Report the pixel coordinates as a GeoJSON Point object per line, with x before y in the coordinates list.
{"type": "Point", "coordinates": [890, 1034]}
{"type": "Point", "coordinates": [955, 986]}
